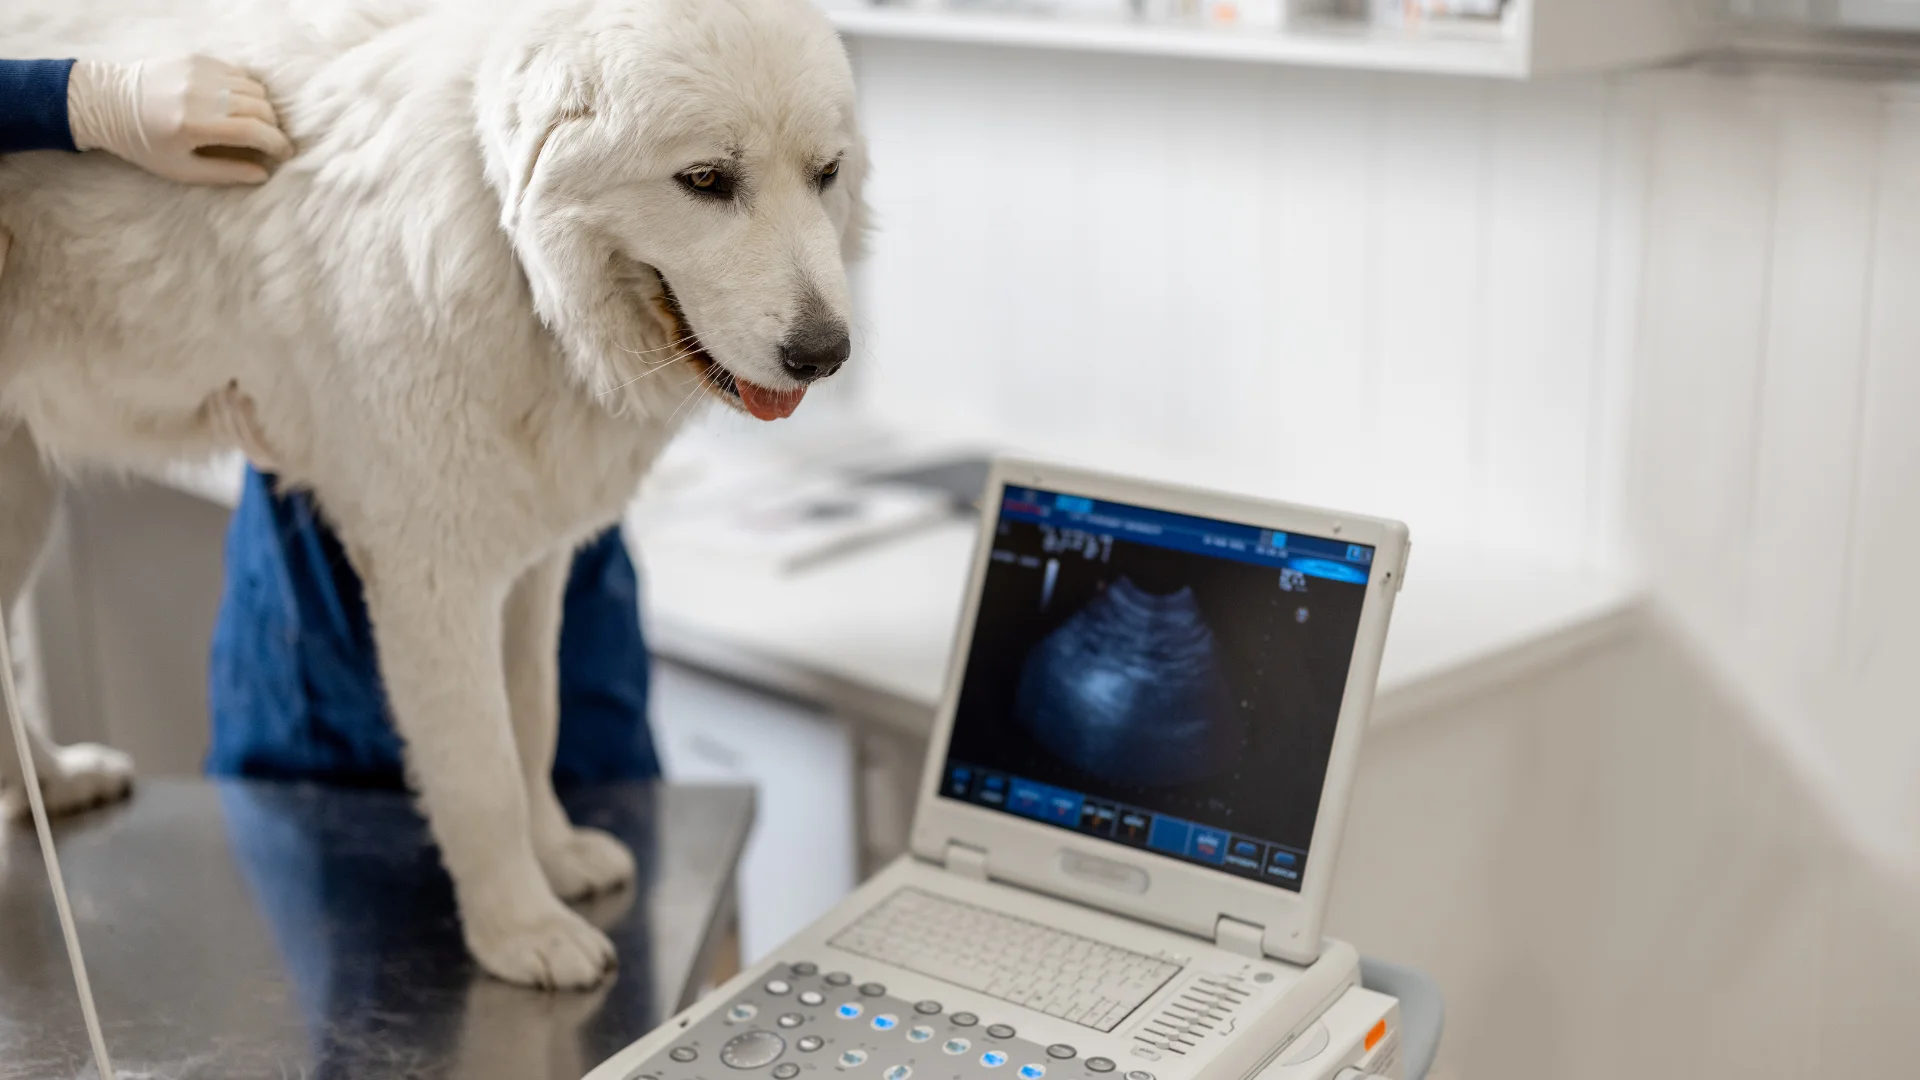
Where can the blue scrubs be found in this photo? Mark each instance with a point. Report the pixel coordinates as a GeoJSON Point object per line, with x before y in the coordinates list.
{"type": "Point", "coordinates": [33, 105]}
{"type": "Point", "coordinates": [295, 691]}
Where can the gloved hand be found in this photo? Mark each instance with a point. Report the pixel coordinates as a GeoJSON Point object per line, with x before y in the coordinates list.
{"type": "Point", "coordinates": [159, 115]}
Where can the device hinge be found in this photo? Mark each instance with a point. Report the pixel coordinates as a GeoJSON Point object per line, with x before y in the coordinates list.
{"type": "Point", "coordinates": [968, 862]}
{"type": "Point", "coordinates": [1239, 937]}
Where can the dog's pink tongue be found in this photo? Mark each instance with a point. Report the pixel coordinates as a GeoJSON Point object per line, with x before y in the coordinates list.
{"type": "Point", "coordinates": [767, 404]}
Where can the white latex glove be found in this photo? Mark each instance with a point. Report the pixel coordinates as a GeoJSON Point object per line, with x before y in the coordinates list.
{"type": "Point", "coordinates": [159, 115]}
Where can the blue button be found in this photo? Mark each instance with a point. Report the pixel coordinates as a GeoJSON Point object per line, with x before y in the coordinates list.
{"type": "Point", "coordinates": [993, 1059]}
{"type": "Point", "coordinates": [898, 1072]}
{"type": "Point", "coordinates": [1169, 835]}
{"type": "Point", "coordinates": [850, 1010]}
{"type": "Point", "coordinates": [1032, 1072]}
{"type": "Point", "coordinates": [956, 1046]}
{"type": "Point", "coordinates": [1207, 844]}
{"type": "Point", "coordinates": [885, 1022]}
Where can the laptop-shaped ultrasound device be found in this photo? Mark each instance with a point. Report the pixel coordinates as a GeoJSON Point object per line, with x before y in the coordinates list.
{"type": "Point", "coordinates": [1126, 832]}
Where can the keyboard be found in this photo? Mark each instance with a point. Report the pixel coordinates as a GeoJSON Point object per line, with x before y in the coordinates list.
{"type": "Point", "coordinates": [1074, 978]}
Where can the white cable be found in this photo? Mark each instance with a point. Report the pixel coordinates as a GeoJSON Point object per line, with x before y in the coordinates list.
{"type": "Point", "coordinates": [31, 777]}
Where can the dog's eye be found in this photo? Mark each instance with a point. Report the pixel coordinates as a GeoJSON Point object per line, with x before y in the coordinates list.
{"type": "Point", "coordinates": [827, 174]}
{"type": "Point", "coordinates": [708, 181]}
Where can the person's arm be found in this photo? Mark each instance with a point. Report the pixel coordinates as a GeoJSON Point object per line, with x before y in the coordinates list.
{"type": "Point", "coordinates": [162, 115]}
{"type": "Point", "coordinates": [33, 105]}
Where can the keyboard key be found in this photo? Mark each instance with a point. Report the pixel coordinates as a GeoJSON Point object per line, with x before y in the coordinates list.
{"type": "Point", "coordinates": [1001, 1031]}
{"type": "Point", "coordinates": [852, 1058]}
{"type": "Point", "coordinates": [804, 968]}
{"type": "Point", "coordinates": [885, 1022]}
{"type": "Point", "coordinates": [683, 1054]}
{"type": "Point", "coordinates": [919, 1034]}
{"type": "Point", "coordinates": [776, 987]}
{"type": "Point", "coordinates": [926, 1008]}
{"type": "Point", "coordinates": [957, 1046]}
{"type": "Point", "coordinates": [872, 989]}
{"type": "Point", "coordinates": [810, 1043]}
{"type": "Point", "coordinates": [1099, 1065]}
{"type": "Point", "coordinates": [839, 978]}
{"type": "Point", "coordinates": [1032, 1072]}
{"type": "Point", "coordinates": [812, 997]}
{"type": "Point", "coordinates": [850, 1011]}
{"type": "Point", "coordinates": [993, 1059]}
{"type": "Point", "coordinates": [786, 1070]}
{"type": "Point", "coordinates": [791, 1020]}
{"type": "Point", "coordinates": [1061, 1051]}
{"type": "Point", "coordinates": [742, 1013]}
{"type": "Point", "coordinates": [898, 1072]}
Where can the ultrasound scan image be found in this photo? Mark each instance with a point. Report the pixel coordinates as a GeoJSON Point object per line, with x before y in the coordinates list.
{"type": "Point", "coordinates": [1131, 689]}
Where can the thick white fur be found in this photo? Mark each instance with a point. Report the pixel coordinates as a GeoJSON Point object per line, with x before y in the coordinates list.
{"type": "Point", "coordinates": [441, 319]}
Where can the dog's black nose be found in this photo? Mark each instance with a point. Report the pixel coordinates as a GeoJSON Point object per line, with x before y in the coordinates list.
{"type": "Point", "coordinates": [816, 356]}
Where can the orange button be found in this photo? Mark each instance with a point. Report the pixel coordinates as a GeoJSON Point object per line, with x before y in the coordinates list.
{"type": "Point", "coordinates": [1379, 1032]}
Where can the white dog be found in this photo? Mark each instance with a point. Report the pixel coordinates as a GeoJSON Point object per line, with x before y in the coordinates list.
{"type": "Point", "coordinates": [519, 238]}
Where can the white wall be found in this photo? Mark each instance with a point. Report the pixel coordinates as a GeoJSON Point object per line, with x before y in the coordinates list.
{"type": "Point", "coordinates": [1777, 451]}
{"type": "Point", "coordinates": [1405, 294]}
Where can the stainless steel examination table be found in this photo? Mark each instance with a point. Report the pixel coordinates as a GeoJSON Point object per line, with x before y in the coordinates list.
{"type": "Point", "coordinates": [245, 931]}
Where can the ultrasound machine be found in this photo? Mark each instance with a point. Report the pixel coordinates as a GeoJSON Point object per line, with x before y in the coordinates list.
{"type": "Point", "coordinates": [1128, 824]}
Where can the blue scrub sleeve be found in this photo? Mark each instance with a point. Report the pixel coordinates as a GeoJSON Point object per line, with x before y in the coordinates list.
{"type": "Point", "coordinates": [294, 685]}
{"type": "Point", "coordinates": [33, 105]}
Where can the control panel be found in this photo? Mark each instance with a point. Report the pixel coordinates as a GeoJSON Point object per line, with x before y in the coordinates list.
{"type": "Point", "coordinates": [799, 1022]}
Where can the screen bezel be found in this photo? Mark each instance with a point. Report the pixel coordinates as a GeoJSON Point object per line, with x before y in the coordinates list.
{"type": "Point", "coordinates": [1176, 894]}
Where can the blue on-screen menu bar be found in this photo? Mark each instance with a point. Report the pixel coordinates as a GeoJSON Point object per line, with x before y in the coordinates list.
{"type": "Point", "coordinates": [1188, 841]}
{"type": "Point", "coordinates": [1312, 556]}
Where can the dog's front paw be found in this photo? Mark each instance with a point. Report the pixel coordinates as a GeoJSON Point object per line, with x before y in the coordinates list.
{"type": "Point", "coordinates": [554, 949]}
{"type": "Point", "coordinates": [86, 775]}
{"type": "Point", "coordinates": [586, 862]}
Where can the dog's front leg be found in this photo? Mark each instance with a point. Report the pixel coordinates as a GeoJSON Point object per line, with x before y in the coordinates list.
{"type": "Point", "coordinates": [438, 632]}
{"type": "Point", "coordinates": [578, 861]}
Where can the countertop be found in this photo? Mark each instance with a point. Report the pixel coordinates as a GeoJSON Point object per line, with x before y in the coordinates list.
{"type": "Point", "coordinates": [245, 930]}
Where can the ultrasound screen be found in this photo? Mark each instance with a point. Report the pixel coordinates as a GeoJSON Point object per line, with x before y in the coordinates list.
{"type": "Point", "coordinates": [1158, 680]}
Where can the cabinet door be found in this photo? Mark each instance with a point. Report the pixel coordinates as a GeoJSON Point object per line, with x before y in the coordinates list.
{"type": "Point", "coordinates": [800, 859]}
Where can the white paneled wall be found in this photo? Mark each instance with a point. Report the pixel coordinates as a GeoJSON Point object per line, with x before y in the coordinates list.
{"type": "Point", "coordinates": [1778, 447]}
{"type": "Point", "coordinates": [1385, 292]}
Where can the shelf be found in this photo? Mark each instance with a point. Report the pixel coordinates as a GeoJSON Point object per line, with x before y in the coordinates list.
{"type": "Point", "coordinates": [1315, 44]}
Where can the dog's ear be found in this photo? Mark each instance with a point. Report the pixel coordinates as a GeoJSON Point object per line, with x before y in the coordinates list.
{"type": "Point", "coordinates": [533, 86]}
{"type": "Point", "coordinates": [859, 223]}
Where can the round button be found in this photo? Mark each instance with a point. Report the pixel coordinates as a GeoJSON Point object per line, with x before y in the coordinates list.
{"type": "Point", "coordinates": [752, 1049]}
{"type": "Point", "coordinates": [964, 1019]}
{"type": "Point", "coordinates": [850, 1011]}
{"type": "Point", "coordinates": [777, 987]}
{"type": "Point", "coordinates": [809, 1043]}
{"type": "Point", "coordinates": [812, 997]}
{"type": "Point", "coordinates": [742, 1013]}
{"type": "Point", "coordinates": [1263, 977]}
{"type": "Point", "coordinates": [919, 1034]}
{"type": "Point", "coordinates": [1099, 1064]}
{"type": "Point", "coordinates": [872, 989]}
{"type": "Point", "coordinates": [898, 1072]}
{"type": "Point", "coordinates": [1061, 1051]}
{"type": "Point", "coordinates": [1148, 1052]}
{"type": "Point", "coordinates": [839, 978]}
{"type": "Point", "coordinates": [791, 1020]}
{"type": "Point", "coordinates": [852, 1058]}
{"type": "Point", "coordinates": [786, 1070]}
{"type": "Point", "coordinates": [683, 1053]}
{"type": "Point", "coordinates": [1032, 1072]}
{"type": "Point", "coordinates": [993, 1059]}
{"type": "Point", "coordinates": [1000, 1031]}
{"type": "Point", "coordinates": [885, 1022]}
{"type": "Point", "coordinates": [956, 1046]}
{"type": "Point", "coordinates": [804, 968]}
{"type": "Point", "coordinates": [926, 1008]}
{"type": "Point", "coordinates": [1139, 1074]}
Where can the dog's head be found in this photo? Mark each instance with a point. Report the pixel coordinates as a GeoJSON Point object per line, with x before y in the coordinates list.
{"type": "Point", "coordinates": [681, 180]}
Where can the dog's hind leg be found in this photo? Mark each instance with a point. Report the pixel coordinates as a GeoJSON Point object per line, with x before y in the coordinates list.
{"type": "Point", "coordinates": [71, 777]}
{"type": "Point", "coordinates": [579, 862]}
{"type": "Point", "coordinates": [438, 630]}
